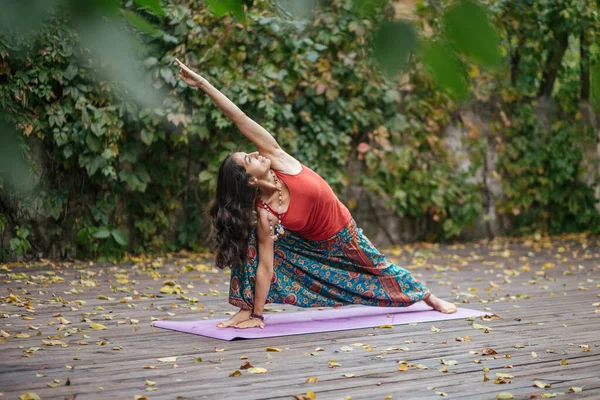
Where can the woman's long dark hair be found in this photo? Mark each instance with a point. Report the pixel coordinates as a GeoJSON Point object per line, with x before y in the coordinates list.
{"type": "Point", "coordinates": [232, 213]}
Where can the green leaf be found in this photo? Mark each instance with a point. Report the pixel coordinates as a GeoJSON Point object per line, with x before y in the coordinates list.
{"type": "Point", "coordinates": [204, 176]}
{"type": "Point", "coordinates": [120, 237]}
{"type": "Point", "coordinates": [393, 44]}
{"type": "Point", "coordinates": [222, 7]}
{"type": "Point", "coordinates": [365, 8]}
{"type": "Point", "coordinates": [445, 68]}
{"type": "Point", "coordinates": [93, 143]}
{"type": "Point", "coordinates": [153, 5]}
{"type": "Point", "coordinates": [70, 72]}
{"type": "Point", "coordinates": [102, 233]}
{"type": "Point", "coordinates": [139, 22]}
{"type": "Point", "coordinates": [147, 137]}
{"type": "Point", "coordinates": [470, 30]}
{"type": "Point", "coordinates": [595, 86]}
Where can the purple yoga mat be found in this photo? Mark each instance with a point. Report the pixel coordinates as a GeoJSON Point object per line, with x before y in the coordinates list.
{"type": "Point", "coordinates": [301, 322]}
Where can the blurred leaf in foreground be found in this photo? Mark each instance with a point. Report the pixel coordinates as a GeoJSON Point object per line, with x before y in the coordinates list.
{"type": "Point", "coordinates": [393, 44]}
{"type": "Point", "coordinates": [468, 27]}
{"type": "Point", "coordinates": [445, 68]}
{"type": "Point", "coordinates": [14, 168]}
{"type": "Point", "coordinates": [299, 9]}
{"type": "Point", "coordinates": [222, 7]}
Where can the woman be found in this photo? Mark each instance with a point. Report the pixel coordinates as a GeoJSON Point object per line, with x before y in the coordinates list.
{"type": "Point", "coordinates": [319, 259]}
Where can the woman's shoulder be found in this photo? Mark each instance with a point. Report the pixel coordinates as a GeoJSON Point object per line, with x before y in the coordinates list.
{"type": "Point", "coordinates": [284, 163]}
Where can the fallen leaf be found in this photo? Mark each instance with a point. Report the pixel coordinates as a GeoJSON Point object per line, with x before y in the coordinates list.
{"type": "Point", "coordinates": [312, 379]}
{"type": "Point", "coordinates": [504, 396]}
{"type": "Point", "coordinates": [29, 396]}
{"type": "Point", "coordinates": [564, 361]}
{"type": "Point", "coordinates": [97, 326]}
{"type": "Point", "coordinates": [257, 370]}
{"type": "Point", "coordinates": [403, 367]}
{"type": "Point", "coordinates": [575, 389]}
{"type": "Point", "coordinates": [479, 326]}
{"type": "Point", "coordinates": [434, 329]}
{"type": "Point", "coordinates": [236, 373]}
{"type": "Point", "coordinates": [348, 375]}
{"type": "Point", "coordinates": [246, 365]}
{"type": "Point", "coordinates": [488, 351]}
{"type": "Point", "coordinates": [549, 395]}
{"type": "Point", "coordinates": [542, 385]}
{"type": "Point", "coordinates": [448, 362]}
{"type": "Point", "coordinates": [274, 349]}
{"type": "Point", "coordinates": [443, 394]}
{"type": "Point", "coordinates": [534, 354]}
{"type": "Point", "coordinates": [167, 359]}
{"type": "Point", "coordinates": [421, 366]}
{"type": "Point", "coordinates": [387, 326]}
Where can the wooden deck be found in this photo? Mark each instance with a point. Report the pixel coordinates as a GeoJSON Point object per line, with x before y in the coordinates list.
{"type": "Point", "coordinates": [547, 293]}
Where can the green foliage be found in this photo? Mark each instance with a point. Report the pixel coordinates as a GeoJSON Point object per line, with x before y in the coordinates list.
{"type": "Point", "coordinates": [542, 168]}
{"type": "Point", "coordinates": [115, 174]}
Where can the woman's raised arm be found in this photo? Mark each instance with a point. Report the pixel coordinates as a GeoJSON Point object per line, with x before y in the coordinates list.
{"type": "Point", "coordinates": [262, 139]}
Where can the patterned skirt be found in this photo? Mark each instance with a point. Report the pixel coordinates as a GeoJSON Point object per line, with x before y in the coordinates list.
{"type": "Point", "coordinates": [342, 270]}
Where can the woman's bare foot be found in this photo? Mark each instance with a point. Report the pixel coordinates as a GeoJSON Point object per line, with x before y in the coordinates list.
{"type": "Point", "coordinates": [440, 305]}
{"type": "Point", "coordinates": [239, 317]}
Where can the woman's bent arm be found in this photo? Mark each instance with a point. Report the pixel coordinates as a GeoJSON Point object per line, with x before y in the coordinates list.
{"type": "Point", "coordinates": [264, 273]}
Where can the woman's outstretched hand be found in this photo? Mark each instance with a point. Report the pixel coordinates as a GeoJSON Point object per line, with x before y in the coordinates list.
{"type": "Point", "coordinates": [189, 76]}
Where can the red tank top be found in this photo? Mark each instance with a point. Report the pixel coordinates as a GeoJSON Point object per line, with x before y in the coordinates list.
{"type": "Point", "coordinates": [314, 212]}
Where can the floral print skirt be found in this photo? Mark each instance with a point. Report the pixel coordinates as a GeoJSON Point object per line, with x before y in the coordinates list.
{"type": "Point", "coordinates": [342, 270]}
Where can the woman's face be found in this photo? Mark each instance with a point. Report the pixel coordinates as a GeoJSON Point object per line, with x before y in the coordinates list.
{"type": "Point", "coordinates": [255, 164]}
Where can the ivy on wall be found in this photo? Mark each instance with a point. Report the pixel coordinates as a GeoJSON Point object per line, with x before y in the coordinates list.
{"type": "Point", "coordinates": [114, 174]}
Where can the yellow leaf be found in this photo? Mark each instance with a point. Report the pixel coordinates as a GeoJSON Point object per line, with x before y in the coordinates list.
{"type": "Point", "coordinates": [236, 373]}
{"type": "Point", "coordinates": [150, 383]}
{"type": "Point", "coordinates": [97, 326]}
{"type": "Point", "coordinates": [434, 329]}
{"type": "Point", "coordinates": [542, 385]}
{"type": "Point", "coordinates": [503, 375]}
{"type": "Point", "coordinates": [21, 335]}
{"type": "Point", "coordinates": [421, 366]}
{"type": "Point", "coordinates": [504, 396]}
{"type": "Point", "coordinates": [534, 354]}
{"type": "Point", "coordinates": [257, 370]}
{"type": "Point", "coordinates": [564, 361]}
{"type": "Point", "coordinates": [479, 326]}
{"type": "Point", "coordinates": [575, 389]}
{"type": "Point", "coordinates": [274, 349]}
{"type": "Point", "coordinates": [548, 395]}
{"type": "Point", "coordinates": [29, 396]}
{"type": "Point", "coordinates": [387, 326]}
{"type": "Point", "coordinates": [167, 359]}
{"type": "Point", "coordinates": [311, 395]}
{"type": "Point", "coordinates": [348, 375]}
{"type": "Point", "coordinates": [312, 379]}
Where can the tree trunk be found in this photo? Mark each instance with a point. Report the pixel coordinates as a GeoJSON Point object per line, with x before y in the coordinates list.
{"type": "Point", "coordinates": [584, 65]}
{"type": "Point", "coordinates": [553, 63]}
